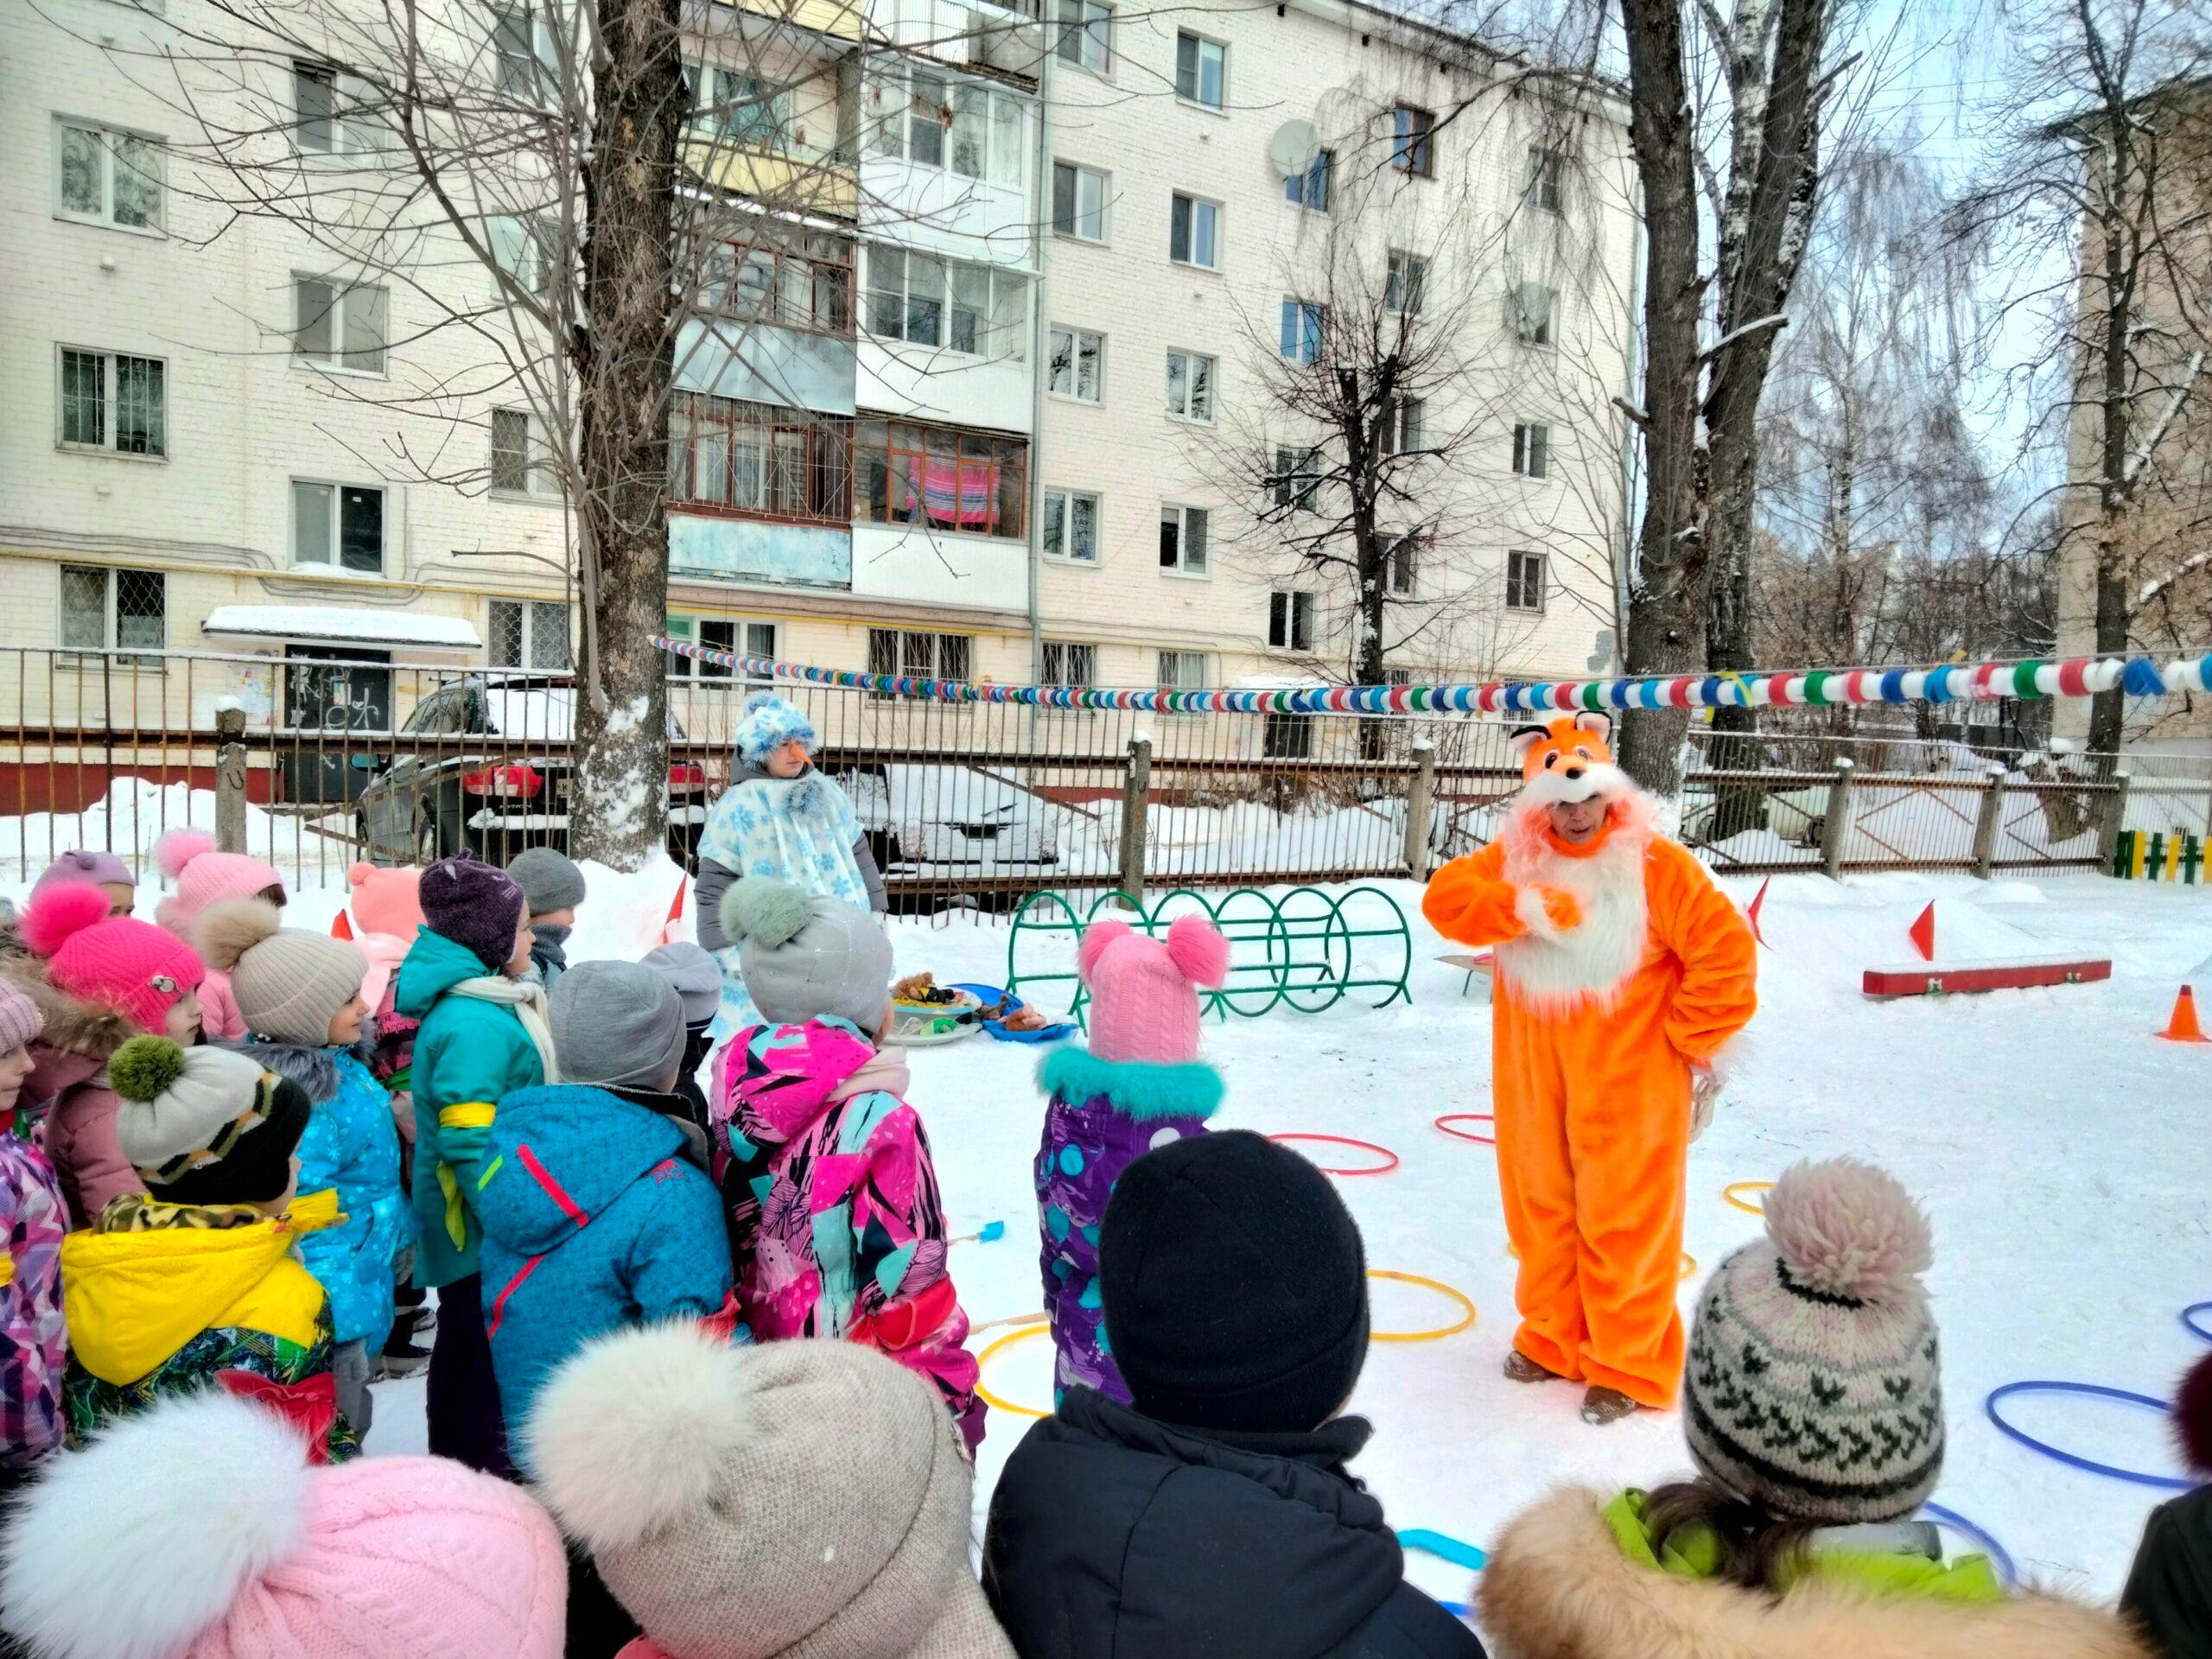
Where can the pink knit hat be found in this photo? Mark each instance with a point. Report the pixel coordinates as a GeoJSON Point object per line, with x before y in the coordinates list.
{"type": "Point", "coordinates": [1144, 1002]}
{"type": "Point", "coordinates": [132, 965]}
{"type": "Point", "coordinates": [203, 875]}
{"type": "Point", "coordinates": [387, 901]}
{"type": "Point", "coordinates": [198, 1530]}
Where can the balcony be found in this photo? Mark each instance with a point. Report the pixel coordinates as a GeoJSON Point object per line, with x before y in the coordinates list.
{"type": "Point", "coordinates": [742, 550]}
{"type": "Point", "coordinates": [836, 19]}
{"type": "Point", "coordinates": [776, 122]}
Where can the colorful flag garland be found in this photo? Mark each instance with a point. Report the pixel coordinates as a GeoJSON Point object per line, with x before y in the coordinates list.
{"type": "Point", "coordinates": [2074, 677]}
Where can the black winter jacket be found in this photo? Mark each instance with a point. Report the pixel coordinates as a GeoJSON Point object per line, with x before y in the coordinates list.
{"type": "Point", "coordinates": [2169, 1590]}
{"type": "Point", "coordinates": [1113, 1536]}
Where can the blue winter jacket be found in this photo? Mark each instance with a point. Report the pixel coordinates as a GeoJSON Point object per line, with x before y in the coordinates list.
{"type": "Point", "coordinates": [352, 1146]}
{"type": "Point", "coordinates": [593, 1219]}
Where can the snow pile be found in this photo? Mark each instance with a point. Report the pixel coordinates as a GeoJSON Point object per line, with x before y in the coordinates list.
{"type": "Point", "coordinates": [336, 622]}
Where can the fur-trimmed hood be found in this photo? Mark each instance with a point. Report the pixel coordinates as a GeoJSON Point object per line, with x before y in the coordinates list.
{"type": "Point", "coordinates": [316, 1069]}
{"type": "Point", "coordinates": [73, 1026]}
{"type": "Point", "coordinates": [1136, 1089]}
{"type": "Point", "coordinates": [1557, 1586]}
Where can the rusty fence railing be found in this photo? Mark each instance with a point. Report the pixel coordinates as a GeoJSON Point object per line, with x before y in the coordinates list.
{"type": "Point", "coordinates": [312, 763]}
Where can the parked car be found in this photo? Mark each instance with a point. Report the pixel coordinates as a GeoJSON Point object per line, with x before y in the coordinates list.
{"type": "Point", "coordinates": [938, 820]}
{"type": "Point", "coordinates": [420, 806]}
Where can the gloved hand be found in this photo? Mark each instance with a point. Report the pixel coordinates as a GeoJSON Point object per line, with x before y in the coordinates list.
{"type": "Point", "coordinates": [1561, 908]}
{"type": "Point", "coordinates": [1705, 1096]}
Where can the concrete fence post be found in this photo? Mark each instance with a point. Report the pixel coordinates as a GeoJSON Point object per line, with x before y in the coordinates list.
{"type": "Point", "coordinates": [1835, 828]}
{"type": "Point", "coordinates": [230, 780]}
{"type": "Point", "coordinates": [1136, 786]}
{"type": "Point", "coordinates": [1988, 822]}
{"type": "Point", "coordinates": [1420, 802]}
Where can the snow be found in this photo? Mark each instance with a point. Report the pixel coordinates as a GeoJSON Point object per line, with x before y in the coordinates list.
{"type": "Point", "coordinates": [336, 622]}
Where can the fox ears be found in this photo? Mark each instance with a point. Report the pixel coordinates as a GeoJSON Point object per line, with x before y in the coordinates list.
{"type": "Point", "coordinates": [1525, 738]}
{"type": "Point", "coordinates": [1592, 719]}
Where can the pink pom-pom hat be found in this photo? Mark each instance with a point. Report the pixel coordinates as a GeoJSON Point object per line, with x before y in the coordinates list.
{"type": "Point", "coordinates": [1144, 992]}
{"type": "Point", "coordinates": [133, 965]}
{"type": "Point", "coordinates": [203, 877]}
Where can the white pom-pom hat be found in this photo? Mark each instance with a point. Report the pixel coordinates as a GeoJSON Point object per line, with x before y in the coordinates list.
{"type": "Point", "coordinates": [1812, 1388]}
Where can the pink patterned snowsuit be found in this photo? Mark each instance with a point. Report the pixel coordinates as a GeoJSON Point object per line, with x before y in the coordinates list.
{"type": "Point", "coordinates": [836, 1226]}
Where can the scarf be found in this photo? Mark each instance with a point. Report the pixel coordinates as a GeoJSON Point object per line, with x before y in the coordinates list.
{"type": "Point", "coordinates": [883, 1071]}
{"type": "Point", "coordinates": [552, 942]}
{"type": "Point", "coordinates": [528, 1000]}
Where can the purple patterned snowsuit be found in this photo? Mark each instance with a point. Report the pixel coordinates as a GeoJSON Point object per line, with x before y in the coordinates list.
{"type": "Point", "coordinates": [1102, 1116]}
{"type": "Point", "coordinates": [33, 1341]}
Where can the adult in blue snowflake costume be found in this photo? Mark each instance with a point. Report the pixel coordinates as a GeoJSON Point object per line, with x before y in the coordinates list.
{"type": "Point", "coordinates": [779, 818]}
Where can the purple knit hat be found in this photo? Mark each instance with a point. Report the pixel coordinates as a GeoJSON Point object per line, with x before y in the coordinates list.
{"type": "Point", "coordinates": [87, 867]}
{"type": "Point", "coordinates": [20, 1020]}
{"type": "Point", "coordinates": [475, 905]}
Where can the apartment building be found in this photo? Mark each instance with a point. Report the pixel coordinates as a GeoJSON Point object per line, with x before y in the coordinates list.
{"type": "Point", "coordinates": [981, 318]}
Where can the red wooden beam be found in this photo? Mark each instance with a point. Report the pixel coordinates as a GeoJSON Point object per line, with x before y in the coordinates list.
{"type": "Point", "coordinates": [1925, 979]}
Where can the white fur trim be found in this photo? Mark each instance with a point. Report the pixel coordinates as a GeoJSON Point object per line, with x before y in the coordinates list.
{"type": "Point", "coordinates": [1555, 787]}
{"type": "Point", "coordinates": [1591, 963]}
{"type": "Point", "coordinates": [632, 1434]}
{"type": "Point", "coordinates": [130, 1549]}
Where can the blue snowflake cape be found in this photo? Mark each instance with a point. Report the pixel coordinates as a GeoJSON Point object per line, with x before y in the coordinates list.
{"type": "Point", "coordinates": [797, 830]}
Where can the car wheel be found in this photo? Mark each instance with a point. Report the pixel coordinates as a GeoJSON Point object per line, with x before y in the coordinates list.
{"type": "Point", "coordinates": [427, 849]}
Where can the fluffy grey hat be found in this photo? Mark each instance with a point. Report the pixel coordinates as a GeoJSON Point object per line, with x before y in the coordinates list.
{"type": "Point", "coordinates": [783, 1496]}
{"type": "Point", "coordinates": [1812, 1388]}
{"type": "Point", "coordinates": [697, 975]}
{"type": "Point", "coordinates": [616, 1022]}
{"type": "Point", "coordinates": [550, 881]}
{"type": "Point", "coordinates": [289, 983]}
{"type": "Point", "coordinates": [804, 956]}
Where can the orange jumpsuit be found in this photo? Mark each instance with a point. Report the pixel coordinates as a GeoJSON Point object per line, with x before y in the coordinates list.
{"type": "Point", "coordinates": [1593, 1080]}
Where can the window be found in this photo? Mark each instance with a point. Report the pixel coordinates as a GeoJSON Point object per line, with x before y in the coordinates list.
{"type": "Point", "coordinates": [1301, 330]}
{"type": "Point", "coordinates": [1183, 671]}
{"type": "Point", "coordinates": [114, 404]}
{"type": "Point", "coordinates": [1078, 202]}
{"type": "Point", "coordinates": [805, 282]}
{"type": "Point", "coordinates": [1078, 365]}
{"type": "Point", "coordinates": [913, 114]}
{"type": "Point", "coordinates": [339, 524]}
{"type": "Point", "coordinates": [522, 459]}
{"type": "Point", "coordinates": [337, 328]}
{"type": "Point", "coordinates": [1193, 232]}
{"type": "Point", "coordinates": [316, 129]}
{"type": "Point", "coordinates": [759, 458]}
{"type": "Point", "coordinates": [1404, 553]}
{"type": "Point", "coordinates": [740, 109]}
{"type": "Point", "coordinates": [1201, 69]}
{"type": "Point", "coordinates": [106, 177]}
{"type": "Point", "coordinates": [938, 479]}
{"type": "Point", "coordinates": [927, 300]}
{"type": "Point", "coordinates": [1402, 427]}
{"type": "Point", "coordinates": [525, 247]}
{"type": "Point", "coordinates": [102, 608]}
{"type": "Point", "coordinates": [1287, 737]}
{"type": "Point", "coordinates": [1067, 663]}
{"type": "Point", "coordinates": [1413, 141]}
{"type": "Point", "coordinates": [1183, 540]}
{"type": "Point", "coordinates": [1297, 478]}
{"type": "Point", "coordinates": [1546, 169]}
{"type": "Point", "coordinates": [529, 633]}
{"type": "Point", "coordinates": [1071, 526]}
{"type": "Point", "coordinates": [1290, 621]}
{"type": "Point", "coordinates": [1531, 450]}
{"type": "Point", "coordinates": [919, 655]}
{"type": "Point", "coordinates": [740, 638]}
{"type": "Point", "coordinates": [1403, 281]}
{"type": "Point", "coordinates": [1310, 189]}
{"type": "Point", "coordinates": [525, 64]}
{"type": "Point", "coordinates": [1086, 30]}
{"type": "Point", "coordinates": [1524, 581]}
{"type": "Point", "coordinates": [1190, 386]}
{"type": "Point", "coordinates": [1529, 312]}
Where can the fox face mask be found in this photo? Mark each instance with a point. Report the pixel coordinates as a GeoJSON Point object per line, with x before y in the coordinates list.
{"type": "Point", "coordinates": [1569, 760]}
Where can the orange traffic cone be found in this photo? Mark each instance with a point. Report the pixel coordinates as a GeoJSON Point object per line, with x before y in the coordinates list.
{"type": "Point", "coordinates": [2182, 1027]}
{"type": "Point", "coordinates": [339, 927]}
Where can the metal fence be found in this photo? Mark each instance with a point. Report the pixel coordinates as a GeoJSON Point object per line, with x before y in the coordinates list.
{"type": "Point", "coordinates": [315, 761]}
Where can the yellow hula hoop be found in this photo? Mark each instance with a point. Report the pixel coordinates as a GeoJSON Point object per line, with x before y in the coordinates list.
{"type": "Point", "coordinates": [983, 1360]}
{"type": "Point", "coordinates": [1689, 1262]}
{"type": "Point", "coordinates": [1730, 1191]}
{"type": "Point", "coordinates": [1466, 1319]}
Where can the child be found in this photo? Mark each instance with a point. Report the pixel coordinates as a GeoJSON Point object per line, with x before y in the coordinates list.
{"type": "Point", "coordinates": [596, 1205]}
{"type": "Point", "coordinates": [300, 995]}
{"type": "Point", "coordinates": [203, 877]}
{"type": "Point", "coordinates": [1814, 1415]}
{"type": "Point", "coordinates": [779, 818]}
{"type": "Point", "coordinates": [834, 1222]}
{"type": "Point", "coordinates": [698, 981]}
{"type": "Point", "coordinates": [1215, 1516]}
{"type": "Point", "coordinates": [2169, 1593]}
{"type": "Point", "coordinates": [201, 1530]}
{"type": "Point", "coordinates": [33, 1343]}
{"type": "Point", "coordinates": [95, 869]}
{"type": "Point", "coordinates": [552, 887]}
{"type": "Point", "coordinates": [105, 981]}
{"type": "Point", "coordinates": [192, 1282]}
{"type": "Point", "coordinates": [793, 1498]}
{"type": "Point", "coordinates": [483, 1035]}
{"type": "Point", "coordinates": [1139, 1085]}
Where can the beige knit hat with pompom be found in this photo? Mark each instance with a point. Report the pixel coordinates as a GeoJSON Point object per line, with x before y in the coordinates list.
{"type": "Point", "coordinates": [289, 983]}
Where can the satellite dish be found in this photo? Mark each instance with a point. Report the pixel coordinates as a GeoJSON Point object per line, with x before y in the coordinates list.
{"type": "Point", "coordinates": [1292, 150]}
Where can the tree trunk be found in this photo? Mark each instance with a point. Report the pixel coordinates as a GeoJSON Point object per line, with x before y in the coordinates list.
{"type": "Point", "coordinates": [2114, 440]}
{"type": "Point", "coordinates": [1666, 621]}
{"type": "Point", "coordinates": [619, 812]}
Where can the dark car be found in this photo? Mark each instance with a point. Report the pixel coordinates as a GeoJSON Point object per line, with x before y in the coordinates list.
{"type": "Point", "coordinates": [511, 793]}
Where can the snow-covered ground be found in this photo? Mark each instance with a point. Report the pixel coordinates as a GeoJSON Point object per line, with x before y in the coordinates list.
{"type": "Point", "coordinates": [2060, 1150]}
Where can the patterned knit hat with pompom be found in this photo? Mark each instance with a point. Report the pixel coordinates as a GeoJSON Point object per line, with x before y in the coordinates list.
{"type": "Point", "coordinates": [132, 965]}
{"type": "Point", "coordinates": [1812, 1388]}
{"type": "Point", "coordinates": [204, 1125]}
{"type": "Point", "coordinates": [769, 722]}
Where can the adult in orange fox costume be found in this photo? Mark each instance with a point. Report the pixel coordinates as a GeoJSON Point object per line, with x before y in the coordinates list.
{"type": "Point", "coordinates": [1620, 972]}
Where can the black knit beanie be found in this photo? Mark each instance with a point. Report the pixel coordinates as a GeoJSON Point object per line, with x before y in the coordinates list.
{"type": "Point", "coordinates": [1235, 1286]}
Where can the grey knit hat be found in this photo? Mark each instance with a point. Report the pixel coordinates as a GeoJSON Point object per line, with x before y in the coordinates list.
{"type": "Point", "coordinates": [804, 956]}
{"type": "Point", "coordinates": [1812, 1387]}
{"type": "Point", "coordinates": [697, 975]}
{"type": "Point", "coordinates": [615, 1022]}
{"type": "Point", "coordinates": [20, 1020]}
{"type": "Point", "coordinates": [549, 880]}
{"type": "Point", "coordinates": [289, 983]}
{"type": "Point", "coordinates": [783, 1496]}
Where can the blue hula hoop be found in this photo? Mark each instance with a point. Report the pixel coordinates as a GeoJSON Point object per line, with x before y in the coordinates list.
{"type": "Point", "coordinates": [2188, 1318]}
{"type": "Point", "coordinates": [2094, 1390]}
{"type": "Point", "coordinates": [1974, 1534]}
{"type": "Point", "coordinates": [1443, 1545]}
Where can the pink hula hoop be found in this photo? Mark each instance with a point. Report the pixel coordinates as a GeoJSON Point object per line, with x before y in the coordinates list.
{"type": "Point", "coordinates": [1346, 1141]}
{"type": "Point", "coordinates": [1446, 1122]}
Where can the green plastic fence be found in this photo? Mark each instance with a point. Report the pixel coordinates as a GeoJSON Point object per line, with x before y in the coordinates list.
{"type": "Point", "coordinates": [1297, 950]}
